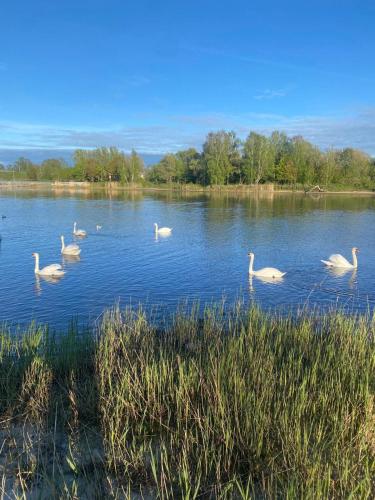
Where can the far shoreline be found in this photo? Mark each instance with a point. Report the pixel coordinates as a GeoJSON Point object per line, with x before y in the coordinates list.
{"type": "Point", "coordinates": [81, 186]}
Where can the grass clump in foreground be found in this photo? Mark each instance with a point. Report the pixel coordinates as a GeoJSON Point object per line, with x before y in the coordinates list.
{"type": "Point", "coordinates": [238, 405]}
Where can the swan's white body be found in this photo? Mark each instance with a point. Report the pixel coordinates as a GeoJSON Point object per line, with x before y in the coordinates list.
{"type": "Point", "coordinates": [71, 249]}
{"type": "Point", "coordinates": [337, 260]}
{"type": "Point", "coordinates": [54, 270]}
{"type": "Point", "coordinates": [162, 230]}
{"type": "Point", "coordinates": [266, 272]}
{"type": "Point", "coordinates": [78, 232]}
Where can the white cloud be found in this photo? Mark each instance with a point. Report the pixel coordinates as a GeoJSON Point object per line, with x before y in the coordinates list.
{"type": "Point", "coordinates": [270, 94]}
{"type": "Point", "coordinates": [178, 132]}
{"type": "Point", "coordinates": [150, 139]}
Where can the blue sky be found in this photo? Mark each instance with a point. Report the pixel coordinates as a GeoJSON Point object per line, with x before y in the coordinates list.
{"type": "Point", "coordinates": [157, 76]}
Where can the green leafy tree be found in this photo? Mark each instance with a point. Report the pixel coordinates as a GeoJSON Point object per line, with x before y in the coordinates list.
{"type": "Point", "coordinates": [355, 167]}
{"type": "Point", "coordinates": [101, 164]}
{"type": "Point", "coordinates": [286, 171]}
{"type": "Point", "coordinates": [54, 169]}
{"type": "Point", "coordinates": [132, 168]}
{"type": "Point", "coordinates": [169, 169]}
{"type": "Point", "coordinates": [85, 167]}
{"type": "Point", "coordinates": [220, 156]}
{"type": "Point", "coordinates": [191, 160]}
{"type": "Point", "coordinates": [259, 159]}
{"type": "Point", "coordinates": [281, 145]}
{"type": "Point", "coordinates": [330, 167]}
{"type": "Point", "coordinates": [306, 159]}
{"type": "Point", "coordinates": [136, 167]}
{"type": "Point", "coordinates": [109, 162]}
{"type": "Point", "coordinates": [27, 168]}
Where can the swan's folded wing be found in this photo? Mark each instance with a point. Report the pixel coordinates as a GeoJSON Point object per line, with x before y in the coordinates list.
{"type": "Point", "coordinates": [51, 268]}
{"type": "Point", "coordinates": [72, 248]}
{"type": "Point", "coordinates": [270, 272]}
{"type": "Point", "coordinates": [338, 260]}
{"type": "Point", "coordinates": [327, 263]}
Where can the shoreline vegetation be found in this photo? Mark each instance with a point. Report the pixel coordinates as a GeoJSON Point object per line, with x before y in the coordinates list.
{"type": "Point", "coordinates": [233, 403]}
{"type": "Point", "coordinates": [113, 187]}
{"type": "Point", "coordinates": [224, 162]}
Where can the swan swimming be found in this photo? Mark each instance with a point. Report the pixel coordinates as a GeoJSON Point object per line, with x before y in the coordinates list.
{"type": "Point", "coordinates": [71, 249]}
{"type": "Point", "coordinates": [98, 228]}
{"type": "Point", "coordinates": [337, 260]}
{"type": "Point", "coordinates": [163, 230]}
{"type": "Point", "coordinates": [266, 272]}
{"type": "Point", "coordinates": [78, 232]}
{"type": "Point", "coordinates": [54, 270]}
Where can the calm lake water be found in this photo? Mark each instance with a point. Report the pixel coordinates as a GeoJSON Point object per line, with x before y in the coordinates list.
{"type": "Point", "coordinates": [205, 258]}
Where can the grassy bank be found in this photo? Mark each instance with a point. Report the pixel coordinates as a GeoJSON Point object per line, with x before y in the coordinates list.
{"type": "Point", "coordinates": [238, 405]}
{"type": "Point", "coordinates": [117, 186]}
{"type": "Point", "coordinates": [114, 187]}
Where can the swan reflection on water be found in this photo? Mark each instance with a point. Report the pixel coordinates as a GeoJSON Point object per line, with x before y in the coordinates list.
{"type": "Point", "coordinates": [342, 271]}
{"type": "Point", "coordinates": [53, 280]}
{"type": "Point", "coordinates": [162, 236]}
{"type": "Point", "coordinates": [71, 259]}
{"type": "Point", "coordinates": [265, 280]}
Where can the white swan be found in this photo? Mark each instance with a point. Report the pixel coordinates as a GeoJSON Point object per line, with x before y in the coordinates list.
{"type": "Point", "coordinates": [98, 228]}
{"type": "Point", "coordinates": [71, 249]}
{"type": "Point", "coordinates": [266, 272]}
{"type": "Point", "coordinates": [337, 260]}
{"type": "Point", "coordinates": [162, 230]}
{"type": "Point", "coordinates": [78, 232]}
{"type": "Point", "coordinates": [54, 270]}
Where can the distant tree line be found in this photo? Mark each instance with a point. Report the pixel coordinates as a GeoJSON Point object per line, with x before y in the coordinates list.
{"type": "Point", "coordinates": [259, 159]}
{"type": "Point", "coordinates": [224, 159]}
{"type": "Point", "coordinates": [105, 164]}
{"type": "Point", "coordinates": [98, 165]}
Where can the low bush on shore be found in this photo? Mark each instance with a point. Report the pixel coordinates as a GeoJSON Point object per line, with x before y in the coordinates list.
{"type": "Point", "coordinates": [238, 404]}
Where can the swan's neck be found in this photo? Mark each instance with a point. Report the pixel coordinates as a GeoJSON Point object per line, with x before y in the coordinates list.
{"type": "Point", "coordinates": [62, 243]}
{"type": "Point", "coordinates": [251, 264]}
{"type": "Point", "coordinates": [156, 228]}
{"type": "Point", "coordinates": [36, 264]}
{"type": "Point", "coordinates": [355, 262]}
{"type": "Point", "coordinates": [74, 227]}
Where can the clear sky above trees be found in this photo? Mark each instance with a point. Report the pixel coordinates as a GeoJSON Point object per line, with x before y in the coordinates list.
{"type": "Point", "coordinates": [158, 76]}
